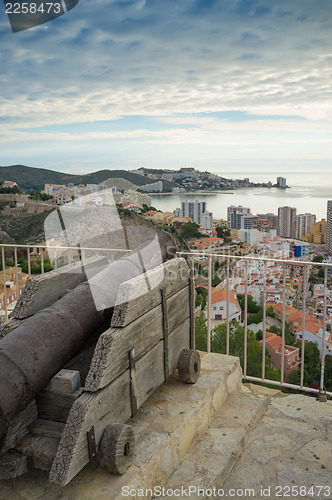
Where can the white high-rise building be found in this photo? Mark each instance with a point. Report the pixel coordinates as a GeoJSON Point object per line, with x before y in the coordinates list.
{"type": "Point", "coordinates": [304, 224]}
{"type": "Point", "coordinates": [281, 182]}
{"type": "Point", "coordinates": [234, 216]}
{"type": "Point", "coordinates": [287, 221]}
{"type": "Point", "coordinates": [197, 212]}
{"type": "Point", "coordinates": [329, 227]}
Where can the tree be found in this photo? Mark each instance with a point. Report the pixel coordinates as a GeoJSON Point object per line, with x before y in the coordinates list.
{"type": "Point", "coordinates": [318, 258]}
{"type": "Point", "coordinates": [311, 360]}
{"type": "Point", "coordinates": [224, 232]}
{"type": "Point", "coordinates": [147, 208]}
{"type": "Point", "coordinates": [215, 281]}
{"type": "Point", "coordinates": [328, 373]}
{"type": "Point", "coordinates": [200, 333]}
{"type": "Point", "coordinates": [236, 348]}
{"type": "Point", "coordinates": [190, 230]}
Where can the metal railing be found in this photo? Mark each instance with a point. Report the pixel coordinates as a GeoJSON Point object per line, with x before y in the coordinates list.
{"type": "Point", "coordinates": [85, 252]}
{"type": "Point", "coordinates": [78, 253]}
{"type": "Point", "coordinates": [283, 263]}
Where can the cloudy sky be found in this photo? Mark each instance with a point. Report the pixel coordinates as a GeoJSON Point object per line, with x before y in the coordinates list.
{"type": "Point", "coordinates": [216, 84]}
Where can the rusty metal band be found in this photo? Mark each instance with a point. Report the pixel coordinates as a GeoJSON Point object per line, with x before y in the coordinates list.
{"type": "Point", "coordinates": [91, 443]}
{"type": "Point", "coordinates": [133, 392]}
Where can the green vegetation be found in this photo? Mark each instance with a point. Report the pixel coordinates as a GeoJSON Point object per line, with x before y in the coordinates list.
{"type": "Point", "coordinates": [146, 208]}
{"type": "Point", "coordinates": [254, 353]}
{"type": "Point", "coordinates": [224, 232]}
{"type": "Point", "coordinates": [236, 347]}
{"type": "Point", "coordinates": [201, 297]}
{"type": "Point", "coordinates": [37, 195]}
{"type": "Point", "coordinates": [289, 336]}
{"type": "Point", "coordinates": [8, 190]}
{"type": "Point", "coordinates": [190, 230]}
{"type": "Point", "coordinates": [312, 367]}
{"type": "Point", "coordinates": [318, 258]}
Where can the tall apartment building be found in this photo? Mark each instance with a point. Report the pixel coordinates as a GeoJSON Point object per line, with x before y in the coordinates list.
{"type": "Point", "coordinates": [273, 218]}
{"type": "Point", "coordinates": [234, 216]}
{"type": "Point", "coordinates": [329, 227]}
{"type": "Point", "coordinates": [197, 212]}
{"type": "Point", "coordinates": [281, 182]}
{"type": "Point", "coordinates": [318, 233]}
{"type": "Point", "coordinates": [304, 224]}
{"type": "Point", "coordinates": [287, 221]}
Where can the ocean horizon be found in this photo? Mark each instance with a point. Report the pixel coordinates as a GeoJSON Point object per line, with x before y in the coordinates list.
{"type": "Point", "coordinates": [307, 192]}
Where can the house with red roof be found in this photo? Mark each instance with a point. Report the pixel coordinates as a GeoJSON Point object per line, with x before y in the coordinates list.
{"type": "Point", "coordinates": [211, 244]}
{"type": "Point", "coordinates": [219, 306]}
{"type": "Point", "coordinates": [273, 344]}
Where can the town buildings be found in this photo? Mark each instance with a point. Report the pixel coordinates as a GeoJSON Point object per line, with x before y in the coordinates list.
{"type": "Point", "coordinates": [287, 221]}
{"type": "Point", "coordinates": [219, 306]}
{"type": "Point", "coordinates": [11, 289]}
{"type": "Point", "coordinates": [273, 344]}
{"type": "Point", "coordinates": [304, 224]}
{"type": "Point", "coordinates": [234, 216]}
{"type": "Point", "coordinates": [196, 211]}
{"type": "Point", "coordinates": [318, 233]}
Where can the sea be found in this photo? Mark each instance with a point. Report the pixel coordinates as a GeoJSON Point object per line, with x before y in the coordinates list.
{"type": "Point", "coordinates": [307, 192]}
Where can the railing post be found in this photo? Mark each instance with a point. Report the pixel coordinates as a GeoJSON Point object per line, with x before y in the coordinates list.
{"type": "Point", "coordinates": [283, 323]}
{"type": "Point", "coordinates": [324, 333]}
{"type": "Point", "coordinates": [245, 319]}
{"type": "Point", "coordinates": [208, 348]}
{"type": "Point", "coordinates": [16, 274]}
{"type": "Point", "coordinates": [192, 302]}
{"type": "Point", "coordinates": [304, 296]}
{"type": "Point", "coordinates": [29, 262]}
{"type": "Point", "coordinates": [42, 261]}
{"type": "Point", "coordinates": [4, 282]}
{"type": "Point", "coordinates": [227, 307]}
{"type": "Point", "coordinates": [264, 321]}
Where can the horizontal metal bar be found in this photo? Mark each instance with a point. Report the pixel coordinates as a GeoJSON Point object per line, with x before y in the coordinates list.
{"type": "Point", "coordinates": [263, 259]}
{"type": "Point", "coordinates": [288, 386]}
{"type": "Point", "coordinates": [7, 245]}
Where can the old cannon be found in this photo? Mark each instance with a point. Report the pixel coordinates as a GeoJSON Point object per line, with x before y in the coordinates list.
{"type": "Point", "coordinates": [72, 374]}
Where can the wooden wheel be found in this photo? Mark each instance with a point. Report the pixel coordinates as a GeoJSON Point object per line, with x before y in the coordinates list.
{"type": "Point", "coordinates": [189, 366]}
{"type": "Point", "coordinates": [117, 448]}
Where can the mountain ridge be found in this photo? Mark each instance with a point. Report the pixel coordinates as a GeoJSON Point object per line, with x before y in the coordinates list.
{"type": "Point", "coordinates": [28, 178]}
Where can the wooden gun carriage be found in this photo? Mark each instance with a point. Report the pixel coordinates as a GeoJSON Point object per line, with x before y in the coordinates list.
{"type": "Point", "coordinates": [80, 414]}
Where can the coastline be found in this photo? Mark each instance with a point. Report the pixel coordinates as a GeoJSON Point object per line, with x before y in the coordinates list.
{"type": "Point", "coordinates": [193, 192]}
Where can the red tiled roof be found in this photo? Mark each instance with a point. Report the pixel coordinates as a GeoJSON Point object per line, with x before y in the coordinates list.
{"type": "Point", "coordinates": [221, 296]}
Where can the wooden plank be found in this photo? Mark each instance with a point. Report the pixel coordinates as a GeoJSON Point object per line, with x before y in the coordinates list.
{"type": "Point", "coordinates": [55, 406]}
{"type": "Point", "coordinates": [82, 361]}
{"type": "Point", "coordinates": [47, 428]}
{"type": "Point", "coordinates": [112, 404]}
{"type": "Point", "coordinates": [18, 427]}
{"type": "Point", "coordinates": [40, 450]}
{"type": "Point", "coordinates": [43, 290]}
{"type": "Point", "coordinates": [68, 381]}
{"type": "Point", "coordinates": [111, 354]}
{"type": "Point", "coordinates": [13, 464]}
{"type": "Point", "coordinates": [132, 300]}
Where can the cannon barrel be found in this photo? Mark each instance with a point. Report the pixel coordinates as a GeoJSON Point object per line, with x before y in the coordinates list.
{"type": "Point", "coordinates": [35, 351]}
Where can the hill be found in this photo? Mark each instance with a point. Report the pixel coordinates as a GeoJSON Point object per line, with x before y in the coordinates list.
{"type": "Point", "coordinates": [28, 178]}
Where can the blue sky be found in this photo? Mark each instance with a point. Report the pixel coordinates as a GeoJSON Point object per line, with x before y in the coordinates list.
{"type": "Point", "coordinates": [216, 84]}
